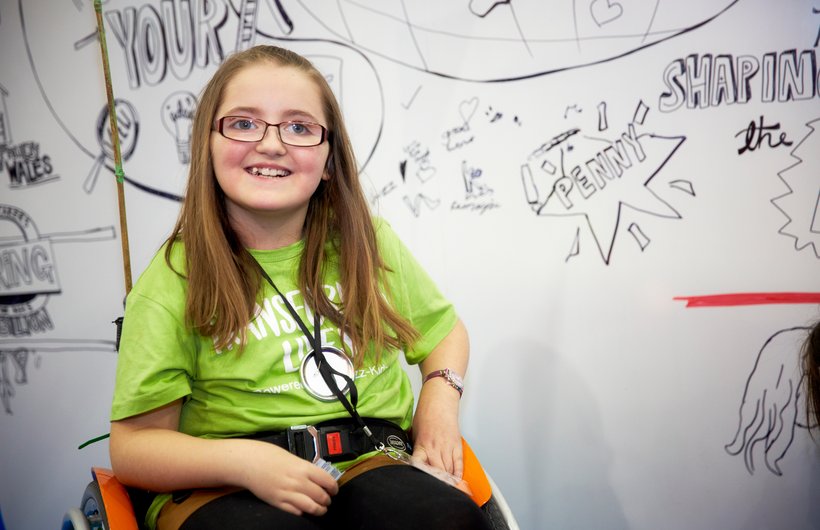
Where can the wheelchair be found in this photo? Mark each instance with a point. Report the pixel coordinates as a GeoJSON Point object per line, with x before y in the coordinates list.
{"type": "Point", "coordinates": [107, 504]}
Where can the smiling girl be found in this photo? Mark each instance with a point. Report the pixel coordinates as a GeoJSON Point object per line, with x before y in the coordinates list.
{"type": "Point", "coordinates": [266, 334]}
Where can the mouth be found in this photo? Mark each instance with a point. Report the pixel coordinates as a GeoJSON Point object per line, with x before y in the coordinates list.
{"type": "Point", "coordinates": [268, 172]}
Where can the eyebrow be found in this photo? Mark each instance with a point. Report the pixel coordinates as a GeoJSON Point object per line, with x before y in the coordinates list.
{"type": "Point", "coordinates": [287, 115]}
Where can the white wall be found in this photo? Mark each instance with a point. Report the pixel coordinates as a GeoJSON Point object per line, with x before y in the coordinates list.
{"type": "Point", "coordinates": [595, 398]}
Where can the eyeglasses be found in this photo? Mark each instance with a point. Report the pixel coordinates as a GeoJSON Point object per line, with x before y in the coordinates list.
{"type": "Point", "coordinates": [297, 133]}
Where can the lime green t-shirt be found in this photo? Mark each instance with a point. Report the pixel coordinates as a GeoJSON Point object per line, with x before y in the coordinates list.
{"type": "Point", "coordinates": [230, 394]}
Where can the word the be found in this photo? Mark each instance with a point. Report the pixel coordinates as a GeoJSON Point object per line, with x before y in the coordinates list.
{"type": "Point", "coordinates": [757, 133]}
{"type": "Point", "coordinates": [707, 81]}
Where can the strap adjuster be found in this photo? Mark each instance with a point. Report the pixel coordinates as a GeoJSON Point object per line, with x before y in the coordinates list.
{"type": "Point", "coordinates": [303, 441]}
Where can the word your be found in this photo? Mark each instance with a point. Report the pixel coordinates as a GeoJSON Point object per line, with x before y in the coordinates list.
{"type": "Point", "coordinates": [25, 166]}
{"type": "Point", "coordinates": [757, 133]}
{"type": "Point", "coordinates": [181, 35]}
{"type": "Point", "coordinates": [707, 81]}
{"type": "Point", "coordinates": [605, 166]}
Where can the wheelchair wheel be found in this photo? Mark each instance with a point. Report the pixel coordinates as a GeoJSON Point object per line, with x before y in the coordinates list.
{"type": "Point", "coordinates": [93, 508]}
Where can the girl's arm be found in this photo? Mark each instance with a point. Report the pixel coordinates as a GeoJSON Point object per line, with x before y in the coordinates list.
{"type": "Point", "coordinates": [148, 452]}
{"type": "Point", "coordinates": [435, 424]}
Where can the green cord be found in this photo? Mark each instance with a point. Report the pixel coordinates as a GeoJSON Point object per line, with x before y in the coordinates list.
{"type": "Point", "coordinates": [94, 440]}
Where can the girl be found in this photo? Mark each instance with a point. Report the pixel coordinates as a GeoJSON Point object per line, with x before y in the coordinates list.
{"type": "Point", "coordinates": [273, 264]}
{"type": "Point", "coordinates": [810, 356]}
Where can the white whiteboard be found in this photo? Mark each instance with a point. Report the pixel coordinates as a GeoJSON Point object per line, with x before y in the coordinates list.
{"type": "Point", "coordinates": [571, 174]}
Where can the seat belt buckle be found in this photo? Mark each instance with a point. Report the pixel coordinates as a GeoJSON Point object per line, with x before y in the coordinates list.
{"type": "Point", "coordinates": [303, 441]}
{"type": "Point", "coordinates": [335, 446]}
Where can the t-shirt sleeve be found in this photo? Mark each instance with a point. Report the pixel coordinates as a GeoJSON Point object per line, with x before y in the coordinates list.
{"type": "Point", "coordinates": [414, 294]}
{"type": "Point", "coordinates": [156, 356]}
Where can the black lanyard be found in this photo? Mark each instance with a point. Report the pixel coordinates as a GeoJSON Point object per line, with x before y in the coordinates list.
{"type": "Point", "coordinates": [324, 367]}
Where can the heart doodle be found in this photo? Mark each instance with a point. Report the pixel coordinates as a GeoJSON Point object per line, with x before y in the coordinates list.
{"type": "Point", "coordinates": [467, 108]}
{"type": "Point", "coordinates": [604, 11]}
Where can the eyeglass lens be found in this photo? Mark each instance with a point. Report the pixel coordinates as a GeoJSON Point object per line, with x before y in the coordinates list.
{"type": "Point", "coordinates": [297, 133]}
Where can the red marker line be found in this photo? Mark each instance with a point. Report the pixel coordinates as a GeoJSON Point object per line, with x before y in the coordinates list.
{"type": "Point", "coordinates": [735, 299]}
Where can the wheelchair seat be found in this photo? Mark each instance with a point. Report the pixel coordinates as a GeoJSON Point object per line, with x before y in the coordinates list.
{"type": "Point", "coordinates": [107, 504]}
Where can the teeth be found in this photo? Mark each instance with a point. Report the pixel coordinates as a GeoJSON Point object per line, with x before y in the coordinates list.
{"type": "Point", "coordinates": [269, 172]}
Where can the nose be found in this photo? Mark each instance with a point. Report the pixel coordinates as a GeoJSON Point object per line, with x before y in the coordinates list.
{"type": "Point", "coordinates": [271, 142]}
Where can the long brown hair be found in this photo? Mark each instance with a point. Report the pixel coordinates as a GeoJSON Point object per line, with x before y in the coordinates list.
{"type": "Point", "coordinates": [224, 279]}
{"type": "Point", "coordinates": [811, 369]}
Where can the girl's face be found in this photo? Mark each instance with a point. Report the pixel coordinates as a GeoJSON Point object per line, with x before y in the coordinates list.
{"type": "Point", "coordinates": [268, 184]}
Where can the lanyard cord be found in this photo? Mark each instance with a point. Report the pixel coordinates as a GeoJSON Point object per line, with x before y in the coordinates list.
{"type": "Point", "coordinates": [324, 367]}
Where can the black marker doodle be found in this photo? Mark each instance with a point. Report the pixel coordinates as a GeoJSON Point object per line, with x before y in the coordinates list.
{"type": "Point", "coordinates": [23, 162]}
{"type": "Point", "coordinates": [416, 202]}
{"type": "Point", "coordinates": [595, 185]}
{"type": "Point", "coordinates": [421, 158]}
{"type": "Point", "coordinates": [482, 8]}
{"type": "Point", "coordinates": [403, 170]}
{"type": "Point", "coordinates": [575, 248]}
{"type": "Point", "coordinates": [26, 166]}
{"type": "Point", "coordinates": [128, 127]}
{"type": "Point", "coordinates": [478, 197]}
{"type": "Point", "coordinates": [16, 360]}
{"type": "Point", "coordinates": [757, 132]}
{"type": "Point", "coordinates": [245, 33]}
{"type": "Point", "coordinates": [457, 137]}
{"type": "Point", "coordinates": [15, 355]}
{"type": "Point", "coordinates": [683, 185]}
{"type": "Point", "coordinates": [576, 108]}
{"type": "Point", "coordinates": [602, 121]}
{"type": "Point", "coordinates": [383, 192]}
{"type": "Point", "coordinates": [526, 39]}
{"type": "Point", "coordinates": [5, 128]}
{"type": "Point", "coordinates": [412, 98]}
{"type": "Point", "coordinates": [28, 272]}
{"type": "Point", "coordinates": [709, 81]}
{"type": "Point", "coordinates": [178, 117]}
{"type": "Point", "coordinates": [143, 36]}
{"type": "Point", "coordinates": [815, 11]}
{"type": "Point", "coordinates": [180, 40]}
{"type": "Point", "coordinates": [801, 202]}
{"type": "Point", "coordinates": [639, 236]}
{"type": "Point", "coordinates": [770, 408]}
{"type": "Point", "coordinates": [605, 11]}
{"type": "Point", "coordinates": [494, 116]}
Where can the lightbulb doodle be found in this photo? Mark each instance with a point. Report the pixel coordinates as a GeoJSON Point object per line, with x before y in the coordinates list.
{"type": "Point", "coordinates": [177, 116]}
{"type": "Point", "coordinates": [800, 203]}
{"type": "Point", "coordinates": [590, 173]}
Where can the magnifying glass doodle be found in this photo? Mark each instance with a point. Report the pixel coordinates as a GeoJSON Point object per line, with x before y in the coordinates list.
{"type": "Point", "coordinates": [128, 130]}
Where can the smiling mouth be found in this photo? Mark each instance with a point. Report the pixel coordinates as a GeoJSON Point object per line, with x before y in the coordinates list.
{"type": "Point", "coordinates": [268, 172]}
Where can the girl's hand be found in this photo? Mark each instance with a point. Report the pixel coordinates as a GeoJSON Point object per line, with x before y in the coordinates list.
{"type": "Point", "coordinates": [437, 439]}
{"type": "Point", "coordinates": [284, 480]}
